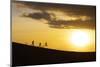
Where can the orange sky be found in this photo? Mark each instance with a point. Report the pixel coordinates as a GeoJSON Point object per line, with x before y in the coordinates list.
{"type": "Point", "coordinates": [25, 29]}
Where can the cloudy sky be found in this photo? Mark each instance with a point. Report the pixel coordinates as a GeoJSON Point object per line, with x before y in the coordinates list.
{"type": "Point", "coordinates": [52, 23]}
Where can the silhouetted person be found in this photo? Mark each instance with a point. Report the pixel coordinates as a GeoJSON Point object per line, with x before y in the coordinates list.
{"type": "Point", "coordinates": [40, 44]}
{"type": "Point", "coordinates": [33, 42]}
{"type": "Point", "coordinates": [46, 44]}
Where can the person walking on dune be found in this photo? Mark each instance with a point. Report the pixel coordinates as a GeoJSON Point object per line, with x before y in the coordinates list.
{"type": "Point", "coordinates": [33, 42]}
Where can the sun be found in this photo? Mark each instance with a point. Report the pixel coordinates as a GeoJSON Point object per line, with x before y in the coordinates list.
{"type": "Point", "coordinates": [79, 38]}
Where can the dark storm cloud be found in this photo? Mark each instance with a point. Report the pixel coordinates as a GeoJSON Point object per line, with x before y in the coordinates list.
{"type": "Point", "coordinates": [39, 15]}
{"type": "Point", "coordinates": [62, 24]}
{"type": "Point", "coordinates": [71, 9]}
{"type": "Point", "coordinates": [68, 10]}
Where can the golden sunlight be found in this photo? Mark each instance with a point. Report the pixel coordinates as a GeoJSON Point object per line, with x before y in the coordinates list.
{"type": "Point", "coordinates": [80, 38]}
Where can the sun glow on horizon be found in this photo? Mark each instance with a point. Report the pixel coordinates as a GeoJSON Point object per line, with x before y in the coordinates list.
{"type": "Point", "coordinates": [80, 38]}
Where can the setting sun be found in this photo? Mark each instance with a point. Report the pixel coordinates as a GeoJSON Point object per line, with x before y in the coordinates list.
{"type": "Point", "coordinates": [80, 38]}
{"type": "Point", "coordinates": [46, 33]}
{"type": "Point", "coordinates": [60, 28]}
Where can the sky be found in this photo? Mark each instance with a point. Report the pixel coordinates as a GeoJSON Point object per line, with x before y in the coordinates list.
{"type": "Point", "coordinates": [52, 23]}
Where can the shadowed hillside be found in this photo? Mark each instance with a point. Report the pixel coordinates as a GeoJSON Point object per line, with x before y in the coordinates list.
{"type": "Point", "coordinates": [29, 55]}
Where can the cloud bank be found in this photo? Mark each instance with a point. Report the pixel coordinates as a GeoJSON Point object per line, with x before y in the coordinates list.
{"type": "Point", "coordinates": [75, 16]}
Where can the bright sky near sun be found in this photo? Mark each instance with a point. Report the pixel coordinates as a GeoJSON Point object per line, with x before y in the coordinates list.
{"type": "Point", "coordinates": [26, 29]}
